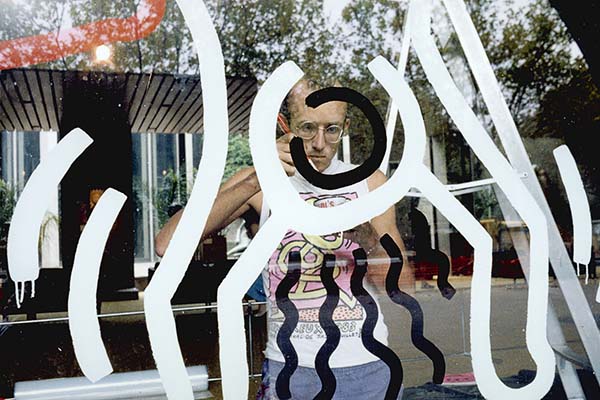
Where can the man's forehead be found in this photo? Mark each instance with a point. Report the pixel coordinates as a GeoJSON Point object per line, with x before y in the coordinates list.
{"type": "Point", "coordinates": [330, 111]}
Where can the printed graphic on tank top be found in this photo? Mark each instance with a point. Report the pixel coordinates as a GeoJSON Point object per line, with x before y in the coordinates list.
{"type": "Point", "coordinates": [309, 294]}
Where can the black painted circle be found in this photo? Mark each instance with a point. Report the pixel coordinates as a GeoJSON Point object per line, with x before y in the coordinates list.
{"type": "Point", "coordinates": [363, 171]}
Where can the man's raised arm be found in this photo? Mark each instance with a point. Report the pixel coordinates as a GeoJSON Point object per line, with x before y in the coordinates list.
{"type": "Point", "coordinates": [235, 197]}
{"type": "Point", "coordinates": [386, 224]}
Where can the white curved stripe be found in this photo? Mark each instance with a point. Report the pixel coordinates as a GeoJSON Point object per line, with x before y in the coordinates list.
{"type": "Point", "coordinates": [278, 190]}
{"type": "Point", "coordinates": [515, 150]}
{"type": "Point", "coordinates": [232, 338]}
{"type": "Point", "coordinates": [23, 235]}
{"type": "Point", "coordinates": [578, 203]}
{"type": "Point", "coordinates": [390, 126]}
{"type": "Point", "coordinates": [489, 384]}
{"type": "Point", "coordinates": [157, 307]}
{"type": "Point", "coordinates": [83, 319]}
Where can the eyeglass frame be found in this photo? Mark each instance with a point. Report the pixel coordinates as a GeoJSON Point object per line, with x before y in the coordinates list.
{"type": "Point", "coordinates": [324, 127]}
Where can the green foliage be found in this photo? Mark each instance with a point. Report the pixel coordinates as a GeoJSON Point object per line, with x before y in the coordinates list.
{"type": "Point", "coordinates": [533, 56]}
{"type": "Point", "coordinates": [161, 51]}
{"type": "Point", "coordinates": [172, 191]}
{"type": "Point", "coordinates": [256, 35]}
{"type": "Point", "coordinates": [238, 155]}
{"type": "Point", "coordinates": [7, 203]}
{"type": "Point", "coordinates": [370, 28]}
{"type": "Point", "coordinates": [259, 35]}
{"type": "Point", "coordinates": [547, 89]}
{"type": "Point", "coordinates": [485, 204]}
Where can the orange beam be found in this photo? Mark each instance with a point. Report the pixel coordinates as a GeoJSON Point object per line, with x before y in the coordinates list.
{"type": "Point", "coordinates": [38, 49]}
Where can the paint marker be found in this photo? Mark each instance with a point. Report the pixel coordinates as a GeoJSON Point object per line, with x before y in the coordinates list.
{"type": "Point", "coordinates": [286, 129]}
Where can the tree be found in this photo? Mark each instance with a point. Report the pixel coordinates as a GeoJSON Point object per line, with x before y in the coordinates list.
{"type": "Point", "coordinates": [533, 56]}
{"type": "Point", "coordinates": [238, 155]}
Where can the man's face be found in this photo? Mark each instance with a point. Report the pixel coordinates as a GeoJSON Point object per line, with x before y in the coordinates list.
{"type": "Point", "coordinates": [318, 150]}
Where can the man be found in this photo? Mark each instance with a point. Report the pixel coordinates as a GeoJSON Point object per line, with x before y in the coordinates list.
{"type": "Point", "coordinates": [359, 374]}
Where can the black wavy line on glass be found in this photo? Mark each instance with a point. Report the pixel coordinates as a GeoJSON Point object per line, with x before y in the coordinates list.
{"type": "Point", "coordinates": [290, 312]}
{"type": "Point", "coordinates": [375, 347]}
{"type": "Point", "coordinates": [332, 332]}
{"type": "Point", "coordinates": [413, 307]}
{"type": "Point", "coordinates": [441, 260]}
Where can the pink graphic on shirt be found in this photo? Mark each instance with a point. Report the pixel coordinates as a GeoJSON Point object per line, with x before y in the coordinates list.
{"type": "Point", "coordinates": [309, 292]}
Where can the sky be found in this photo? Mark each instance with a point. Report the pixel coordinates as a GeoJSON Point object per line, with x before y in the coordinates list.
{"type": "Point", "coordinates": [334, 7]}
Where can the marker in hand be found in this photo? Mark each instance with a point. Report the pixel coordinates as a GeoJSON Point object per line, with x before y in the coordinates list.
{"type": "Point", "coordinates": [283, 126]}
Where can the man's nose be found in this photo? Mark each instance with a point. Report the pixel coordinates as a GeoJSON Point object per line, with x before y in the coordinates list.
{"type": "Point", "coordinates": [318, 142]}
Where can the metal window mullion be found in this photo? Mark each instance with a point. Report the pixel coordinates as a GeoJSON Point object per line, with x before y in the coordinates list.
{"type": "Point", "coordinates": [151, 176]}
{"type": "Point", "coordinates": [14, 179]}
{"type": "Point", "coordinates": [189, 161]}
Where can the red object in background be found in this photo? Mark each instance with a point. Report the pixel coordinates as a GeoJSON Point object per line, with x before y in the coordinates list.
{"type": "Point", "coordinates": [467, 378]}
{"type": "Point", "coordinates": [52, 46]}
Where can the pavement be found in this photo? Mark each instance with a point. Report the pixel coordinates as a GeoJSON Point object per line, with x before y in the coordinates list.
{"type": "Point", "coordinates": [44, 351]}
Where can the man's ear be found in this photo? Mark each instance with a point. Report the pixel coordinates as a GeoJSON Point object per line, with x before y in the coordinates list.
{"type": "Point", "coordinates": [346, 125]}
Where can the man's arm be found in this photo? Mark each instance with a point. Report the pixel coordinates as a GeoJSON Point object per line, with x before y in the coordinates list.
{"type": "Point", "coordinates": [386, 224]}
{"type": "Point", "coordinates": [235, 197]}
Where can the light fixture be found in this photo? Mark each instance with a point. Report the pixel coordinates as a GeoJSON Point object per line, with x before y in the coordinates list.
{"type": "Point", "coordinates": [102, 53]}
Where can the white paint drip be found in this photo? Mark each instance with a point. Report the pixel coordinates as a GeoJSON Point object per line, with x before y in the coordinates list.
{"type": "Point", "coordinates": [83, 319]}
{"type": "Point", "coordinates": [488, 382]}
{"type": "Point", "coordinates": [23, 235]}
{"type": "Point", "coordinates": [157, 307]}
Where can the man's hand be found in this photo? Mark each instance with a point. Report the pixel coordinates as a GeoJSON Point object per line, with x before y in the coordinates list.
{"type": "Point", "coordinates": [283, 147]}
{"type": "Point", "coordinates": [364, 235]}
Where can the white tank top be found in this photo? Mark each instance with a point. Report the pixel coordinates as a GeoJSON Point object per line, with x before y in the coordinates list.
{"type": "Point", "coordinates": [309, 294]}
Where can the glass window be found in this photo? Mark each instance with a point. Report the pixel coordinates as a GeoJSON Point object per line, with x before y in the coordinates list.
{"type": "Point", "coordinates": [127, 73]}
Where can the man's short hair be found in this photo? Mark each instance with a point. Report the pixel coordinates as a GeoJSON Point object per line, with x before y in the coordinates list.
{"type": "Point", "coordinates": [312, 84]}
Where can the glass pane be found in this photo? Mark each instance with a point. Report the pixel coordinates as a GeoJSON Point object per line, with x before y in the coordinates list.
{"type": "Point", "coordinates": [128, 74]}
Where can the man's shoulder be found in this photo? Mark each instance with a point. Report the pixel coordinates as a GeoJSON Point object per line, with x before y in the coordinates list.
{"type": "Point", "coordinates": [376, 179]}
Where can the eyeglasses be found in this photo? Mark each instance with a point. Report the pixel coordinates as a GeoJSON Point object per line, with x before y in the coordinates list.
{"type": "Point", "coordinates": [308, 130]}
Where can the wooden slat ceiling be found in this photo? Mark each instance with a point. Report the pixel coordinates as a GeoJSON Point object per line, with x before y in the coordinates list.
{"type": "Point", "coordinates": [31, 100]}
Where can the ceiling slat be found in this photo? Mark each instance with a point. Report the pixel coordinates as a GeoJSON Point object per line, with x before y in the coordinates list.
{"type": "Point", "coordinates": [196, 112]}
{"type": "Point", "coordinates": [136, 103]}
{"type": "Point", "coordinates": [58, 79]}
{"type": "Point", "coordinates": [37, 97]}
{"type": "Point", "coordinates": [186, 86]}
{"type": "Point", "coordinates": [194, 97]}
{"type": "Point", "coordinates": [5, 123]}
{"type": "Point", "coordinates": [15, 97]}
{"type": "Point", "coordinates": [149, 96]}
{"type": "Point", "coordinates": [7, 104]}
{"type": "Point", "coordinates": [161, 93]}
{"type": "Point", "coordinates": [44, 78]}
{"type": "Point", "coordinates": [33, 99]}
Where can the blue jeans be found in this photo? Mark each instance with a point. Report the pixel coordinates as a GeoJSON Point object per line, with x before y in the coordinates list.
{"type": "Point", "coordinates": [257, 291]}
{"type": "Point", "coordinates": [362, 382]}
